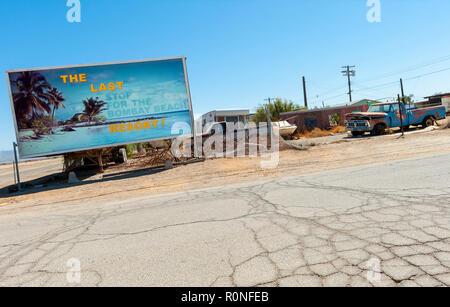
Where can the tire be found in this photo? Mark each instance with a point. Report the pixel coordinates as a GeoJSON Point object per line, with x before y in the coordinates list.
{"type": "Point", "coordinates": [357, 133]}
{"type": "Point", "coordinates": [378, 130]}
{"type": "Point", "coordinates": [405, 128]}
{"type": "Point", "coordinates": [428, 122]}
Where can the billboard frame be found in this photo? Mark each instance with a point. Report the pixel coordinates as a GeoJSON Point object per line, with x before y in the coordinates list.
{"type": "Point", "coordinates": [188, 93]}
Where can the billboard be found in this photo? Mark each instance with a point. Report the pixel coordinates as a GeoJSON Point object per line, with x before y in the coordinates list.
{"type": "Point", "coordinates": [66, 109]}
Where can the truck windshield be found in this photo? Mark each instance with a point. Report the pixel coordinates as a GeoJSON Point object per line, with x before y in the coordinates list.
{"type": "Point", "coordinates": [384, 108]}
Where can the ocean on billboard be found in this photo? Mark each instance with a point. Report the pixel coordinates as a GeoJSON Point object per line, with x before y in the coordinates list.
{"type": "Point", "coordinates": [89, 137]}
{"type": "Point", "coordinates": [60, 110]}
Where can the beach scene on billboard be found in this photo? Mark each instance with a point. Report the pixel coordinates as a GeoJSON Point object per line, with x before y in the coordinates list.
{"type": "Point", "coordinates": [78, 108]}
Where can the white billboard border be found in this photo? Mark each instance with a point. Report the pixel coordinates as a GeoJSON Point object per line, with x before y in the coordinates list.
{"type": "Point", "coordinates": [188, 93]}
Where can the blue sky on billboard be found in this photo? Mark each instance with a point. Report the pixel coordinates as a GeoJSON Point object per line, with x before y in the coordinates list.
{"type": "Point", "coordinates": [145, 84]}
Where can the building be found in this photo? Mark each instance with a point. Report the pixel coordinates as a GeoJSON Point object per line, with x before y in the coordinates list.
{"type": "Point", "coordinates": [236, 116]}
{"type": "Point", "coordinates": [321, 118]}
{"type": "Point", "coordinates": [439, 99]}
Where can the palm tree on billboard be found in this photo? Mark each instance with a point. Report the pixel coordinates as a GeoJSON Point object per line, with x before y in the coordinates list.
{"type": "Point", "coordinates": [55, 100]}
{"type": "Point", "coordinates": [31, 96]}
{"type": "Point", "coordinates": [92, 108]}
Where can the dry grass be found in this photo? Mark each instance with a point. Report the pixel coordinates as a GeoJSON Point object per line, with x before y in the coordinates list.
{"type": "Point", "coordinates": [338, 129]}
{"type": "Point", "coordinates": [316, 133]}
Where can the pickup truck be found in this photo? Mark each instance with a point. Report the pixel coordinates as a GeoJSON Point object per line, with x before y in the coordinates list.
{"type": "Point", "coordinates": [382, 116]}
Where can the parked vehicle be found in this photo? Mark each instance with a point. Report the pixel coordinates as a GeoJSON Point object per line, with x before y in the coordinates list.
{"type": "Point", "coordinates": [382, 116]}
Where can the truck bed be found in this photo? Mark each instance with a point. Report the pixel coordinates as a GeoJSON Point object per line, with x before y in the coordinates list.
{"type": "Point", "coordinates": [417, 115]}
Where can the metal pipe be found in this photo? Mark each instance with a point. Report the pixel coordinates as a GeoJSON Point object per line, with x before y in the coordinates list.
{"type": "Point", "coordinates": [17, 166]}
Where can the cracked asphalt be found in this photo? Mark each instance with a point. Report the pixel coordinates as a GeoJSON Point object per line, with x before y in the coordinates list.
{"type": "Point", "coordinates": [384, 224]}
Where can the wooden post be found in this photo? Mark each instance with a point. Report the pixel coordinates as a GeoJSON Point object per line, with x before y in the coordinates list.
{"type": "Point", "coordinates": [401, 115]}
{"type": "Point", "coordinates": [100, 162]}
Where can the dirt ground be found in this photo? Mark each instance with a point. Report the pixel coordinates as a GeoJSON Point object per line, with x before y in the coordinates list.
{"type": "Point", "coordinates": [338, 152]}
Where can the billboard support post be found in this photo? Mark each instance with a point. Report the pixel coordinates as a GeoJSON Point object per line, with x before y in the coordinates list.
{"type": "Point", "coordinates": [196, 154]}
{"type": "Point", "coordinates": [17, 166]}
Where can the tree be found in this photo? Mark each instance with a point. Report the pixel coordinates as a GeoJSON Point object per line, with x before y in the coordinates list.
{"type": "Point", "coordinates": [408, 99]}
{"type": "Point", "coordinates": [92, 108]}
{"type": "Point", "coordinates": [31, 96]}
{"type": "Point", "coordinates": [56, 100]}
{"type": "Point", "coordinates": [275, 110]}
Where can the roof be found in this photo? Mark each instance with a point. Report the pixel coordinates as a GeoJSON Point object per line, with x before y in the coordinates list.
{"type": "Point", "coordinates": [386, 103]}
{"type": "Point", "coordinates": [357, 103]}
{"type": "Point", "coordinates": [230, 112]}
{"type": "Point", "coordinates": [233, 110]}
{"type": "Point", "coordinates": [364, 101]}
{"type": "Point", "coordinates": [438, 95]}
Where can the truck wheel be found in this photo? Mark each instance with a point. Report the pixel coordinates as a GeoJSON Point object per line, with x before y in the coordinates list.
{"type": "Point", "coordinates": [357, 133]}
{"type": "Point", "coordinates": [428, 122]}
{"type": "Point", "coordinates": [378, 130]}
{"type": "Point", "coordinates": [405, 128]}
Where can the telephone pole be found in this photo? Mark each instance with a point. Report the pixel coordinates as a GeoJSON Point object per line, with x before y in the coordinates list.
{"type": "Point", "coordinates": [400, 115]}
{"type": "Point", "coordinates": [349, 73]}
{"type": "Point", "coordinates": [269, 121]}
{"type": "Point", "coordinates": [403, 92]}
{"type": "Point", "coordinates": [304, 92]}
{"type": "Point", "coordinates": [269, 99]}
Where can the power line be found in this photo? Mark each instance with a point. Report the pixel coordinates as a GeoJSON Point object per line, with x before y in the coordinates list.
{"type": "Point", "coordinates": [407, 69]}
{"type": "Point", "coordinates": [410, 68]}
{"type": "Point", "coordinates": [387, 84]}
{"type": "Point", "coordinates": [396, 82]}
{"type": "Point", "coordinates": [427, 74]}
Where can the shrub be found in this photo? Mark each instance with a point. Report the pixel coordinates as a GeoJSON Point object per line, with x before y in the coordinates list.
{"type": "Point", "coordinates": [131, 148]}
{"type": "Point", "coordinates": [42, 125]}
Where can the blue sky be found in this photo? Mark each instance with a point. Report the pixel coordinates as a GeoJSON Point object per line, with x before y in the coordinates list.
{"type": "Point", "coordinates": [240, 51]}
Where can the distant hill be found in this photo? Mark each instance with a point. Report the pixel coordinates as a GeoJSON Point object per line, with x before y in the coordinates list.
{"type": "Point", "coordinates": [6, 156]}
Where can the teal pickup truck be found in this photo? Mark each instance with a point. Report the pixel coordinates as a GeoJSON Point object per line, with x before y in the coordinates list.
{"type": "Point", "coordinates": [382, 116]}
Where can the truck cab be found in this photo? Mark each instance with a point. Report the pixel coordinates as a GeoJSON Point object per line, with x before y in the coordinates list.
{"type": "Point", "coordinates": [382, 116]}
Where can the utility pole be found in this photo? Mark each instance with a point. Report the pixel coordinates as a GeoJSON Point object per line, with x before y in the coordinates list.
{"type": "Point", "coordinates": [269, 100]}
{"type": "Point", "coordinates": [304, 93]}
{"type": "Point", "coordinates": [401, 115]}
{"type": "Point", "coordinates": [403, 92]}
{"type": "Point", "coordinates": [269, 121]}
{"type": "Point", "coordinates": [349, 73]}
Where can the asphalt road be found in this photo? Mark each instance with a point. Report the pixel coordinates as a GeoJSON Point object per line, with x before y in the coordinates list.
{"type": "Point", "coordinates": [382, 225]}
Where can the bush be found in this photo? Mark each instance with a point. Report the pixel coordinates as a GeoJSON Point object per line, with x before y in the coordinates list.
{"type": "Point", "coordinates": [131, 148]}
{"type": "Point", "coordinates": [42, 125]}
{"type": "Point", "coordinates": [275, 109]}
{"type": "Point", "coordinates": [100, 119]}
